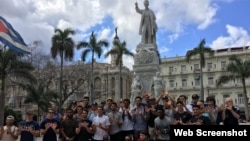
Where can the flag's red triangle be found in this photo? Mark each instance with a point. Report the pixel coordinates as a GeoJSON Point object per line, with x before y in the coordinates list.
{"type": "Point", "coordinates": [2, 27]}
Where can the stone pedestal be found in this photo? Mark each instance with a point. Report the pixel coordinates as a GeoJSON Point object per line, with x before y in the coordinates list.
{"type": "Point", "coordinates": [146, 64]}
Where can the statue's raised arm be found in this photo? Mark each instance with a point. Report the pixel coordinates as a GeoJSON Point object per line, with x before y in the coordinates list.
{"type": "Point", "coordinates": [148, 26]}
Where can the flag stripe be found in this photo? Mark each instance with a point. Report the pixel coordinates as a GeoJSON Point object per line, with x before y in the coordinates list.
{"type": "Point", "coordinates": [9, 42]}
{"type": "Point", "coordinates": [12, 38]}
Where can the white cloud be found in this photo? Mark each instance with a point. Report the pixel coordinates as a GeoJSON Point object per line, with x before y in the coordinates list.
{"type": "Point", "coordinates": [173, 37]}
{"type": "Point", "coordinates": [237, 36]}
{"type": "Point", "coordinates": [175, 15]}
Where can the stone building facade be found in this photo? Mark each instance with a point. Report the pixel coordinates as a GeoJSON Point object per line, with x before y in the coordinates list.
{"type": "Point", "coordinates": [182, 77]}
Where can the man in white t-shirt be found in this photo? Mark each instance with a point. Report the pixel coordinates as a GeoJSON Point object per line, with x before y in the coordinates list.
{"type": "Point", "coordinates": [101, 124]}
{"type": "Point", "coordinates": [9, 132]}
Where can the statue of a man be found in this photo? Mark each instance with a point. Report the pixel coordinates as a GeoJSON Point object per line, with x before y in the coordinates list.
{"type": "Point", "coordinates": [136, 89]}
{"type": "Point", "coordinates": [148, 26]}
{"type": "Point", "coordinates": [158, 84]}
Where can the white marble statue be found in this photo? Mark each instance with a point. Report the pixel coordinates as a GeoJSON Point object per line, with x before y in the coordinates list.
{"type": "Point", "coordinates": [136, 89]}
{"type": "Point", "coordinates": [148, 26]}
{"type": "Point", "coordinates": [159, 84]}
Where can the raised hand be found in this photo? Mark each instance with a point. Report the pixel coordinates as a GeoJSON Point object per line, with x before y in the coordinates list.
{"type": "Point", "coordinates": [30, 128]}
{"type": "Point", "coordinates": [54, 125]}
{"type": "Point", "coordinates": [47, 125]}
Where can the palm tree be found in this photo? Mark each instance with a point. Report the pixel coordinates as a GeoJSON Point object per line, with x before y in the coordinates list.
{"type": "Point", "coordinates": [62, 45]}
{"type": "Point", "coordinates": [11, 66]}
{"type": "Point", "coordinates": [119, 50]}
{"type": "Point", "coordinates": [93, 47]}
{"type": "Point", "coordinates": [237, 69]}
{"type": "Point", "coordinates": [200, 50]}
{"type": "Point", "coordinates": [40, 95]}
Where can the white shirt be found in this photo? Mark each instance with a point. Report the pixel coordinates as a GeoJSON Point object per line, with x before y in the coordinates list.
{"type": "Point", "coordinates": [8, 137]}
{"type": "Point", "coordinates": [99, 133]}
{"type": "Point", "coordinates": [127, 124]}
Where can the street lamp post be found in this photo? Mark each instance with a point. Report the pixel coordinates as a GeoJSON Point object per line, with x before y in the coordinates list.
{"type": "Point", "coordinates": [207, 91]}
{"type": "Point", "coordinates": [202, 87]}
{"type": "Point", "coordinates": [107, 86]}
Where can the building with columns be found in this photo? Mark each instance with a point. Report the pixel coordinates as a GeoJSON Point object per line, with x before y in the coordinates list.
{"type": "Point", "coordinates": [183, 78]}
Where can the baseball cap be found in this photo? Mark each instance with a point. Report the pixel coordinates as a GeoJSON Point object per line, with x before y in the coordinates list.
{"type": "Point", "coordinates": [195, 96]}
{"type": "Point", "coordinates": [103, 102]}
{"type": "Point", "coordinates": [10, 117]}
{"type": "Point", "coordinates": [109, 98]}
{"type": "Point", "coordinates": [94, 104]}
{"type": "Point", "coordinates": [30, 112]}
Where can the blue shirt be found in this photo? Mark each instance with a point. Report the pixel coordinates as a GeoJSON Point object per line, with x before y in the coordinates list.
{"type": "Point", "coordinates": [25, 134]}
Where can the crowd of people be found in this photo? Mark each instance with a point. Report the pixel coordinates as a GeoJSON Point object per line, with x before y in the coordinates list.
{"type": "Point", "coordinates": [149, 119]}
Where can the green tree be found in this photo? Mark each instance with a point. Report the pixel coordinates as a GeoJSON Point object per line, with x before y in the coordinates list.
{"type": "Point", "coordinates": [201, 51]}
{"type": "Point", "coordinates": [94, 46]}
{"type": "Point", "coordinates": [119, 50]}
{"type": "Point", "coordinates": [11, 66]}
{"type": "Point", "coordinates": [62, 45]}
{"type": "Point", "coordinates": [237, 69]}
{"type": "Point", "coordinates": [40, 95]}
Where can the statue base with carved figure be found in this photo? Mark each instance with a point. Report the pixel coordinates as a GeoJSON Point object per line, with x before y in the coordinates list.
{"type": "Point", "coordinates": [146, 64]}
{"type": "Point", "coordinates": [146, 54]}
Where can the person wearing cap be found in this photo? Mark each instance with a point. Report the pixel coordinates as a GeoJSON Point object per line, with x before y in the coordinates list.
{"type": "Point", "coordinates": [9, 132]}
{"type": "Point", "coordinates": [195, 99]}
{"type": "Point", "coordinates": [28, 128]}
{"type": "Point", "coordinates": [153, 105]}
{"type": "Point", "coordinates": [93, 111]}
{"type": "Point", "coordinates": [74, 106]}
{"type": "Point", "coordinates": [50, 127]}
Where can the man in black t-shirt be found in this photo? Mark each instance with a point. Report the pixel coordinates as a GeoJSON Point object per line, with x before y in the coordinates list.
{"type": "Point", "coordinates": [198, 118]}
{"type": "Point", "coordinates": [181, 117]}
{"type": "Point", "coordinates": [84, 130]}
{"type": "Point", "coordinates": [68, 127]}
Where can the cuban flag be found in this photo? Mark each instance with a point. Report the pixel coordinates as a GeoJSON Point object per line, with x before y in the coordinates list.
{"type": "Point", "coordinates": [11, 38]}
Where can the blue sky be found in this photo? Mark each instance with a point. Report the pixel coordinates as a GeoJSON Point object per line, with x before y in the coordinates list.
{"type": "Point", "coordinates": [182, 23]}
